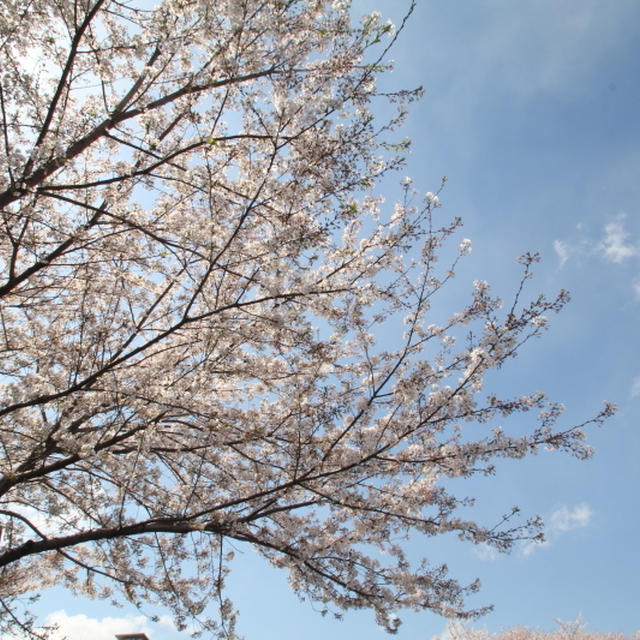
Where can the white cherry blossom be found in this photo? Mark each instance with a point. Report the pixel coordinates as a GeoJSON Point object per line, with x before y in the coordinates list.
{"type": "Point", "coordinates": [201, 314]}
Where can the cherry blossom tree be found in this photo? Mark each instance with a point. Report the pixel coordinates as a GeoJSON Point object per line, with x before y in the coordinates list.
{"type": "Point", "coordinates": [565, 631]}
{"type": "Point", "coordinates": [201, 314]}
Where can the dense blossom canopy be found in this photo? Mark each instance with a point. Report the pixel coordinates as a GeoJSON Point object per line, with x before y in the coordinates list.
{"type": "Point", "coordinates": [564, 631]}
{"type": "Point", "coordinates": [201, 312]}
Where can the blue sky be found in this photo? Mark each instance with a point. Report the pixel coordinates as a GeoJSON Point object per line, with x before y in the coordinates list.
{"type": "Point", "coordinates": [532, 111]}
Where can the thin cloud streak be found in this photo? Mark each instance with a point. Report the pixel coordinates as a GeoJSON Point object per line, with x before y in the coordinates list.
{"type": "Point", "coordinates": [561, 521]}
{"type": "Point", "coordinates": [563, 251]}
{"type": "Point", "coordinates": [614, 244]}
{"type": "Point", "coordinates": [635, 388]}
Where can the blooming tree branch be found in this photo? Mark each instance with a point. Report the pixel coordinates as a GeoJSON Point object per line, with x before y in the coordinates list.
{"type": "Point", "coordinates": [196, 285]}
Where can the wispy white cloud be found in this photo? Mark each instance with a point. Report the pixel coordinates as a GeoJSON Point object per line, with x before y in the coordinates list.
{"type": "Point", "coordinates": [564, 519]}
{"type": "Point", "coordinates": [529, 547]}
{"type": "Point", "coordinates": [485, 552]}
{"type": "Point", "coordinates": [563, 251]}
{"type": "Point", "coordinates": [635, 388]}
{"type": "Point", "coordinates": [614, 245]}
{"type": "Point", "coordinates": [561, 520]}
{"type": "Point", "coordinates": [81, 627]}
